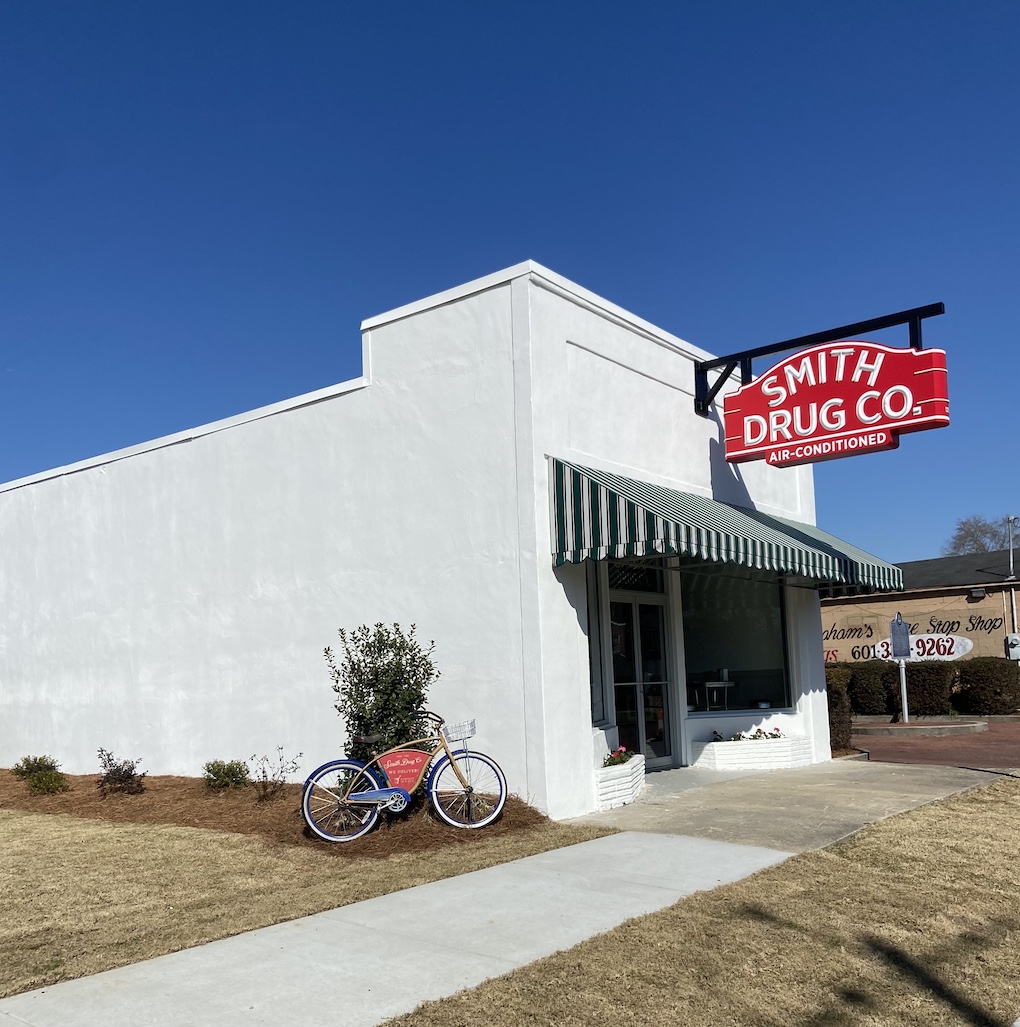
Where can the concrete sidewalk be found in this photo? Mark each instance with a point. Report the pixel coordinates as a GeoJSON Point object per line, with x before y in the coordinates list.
{"type": "Point", "coordinates": [357, 965]}
{"type": "Point", "coordinates": [360, 964]}
{"type": "Point", "coordinates": [792, 810]}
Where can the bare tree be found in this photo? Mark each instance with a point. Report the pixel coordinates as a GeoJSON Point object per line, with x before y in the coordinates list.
{"type": "Point", "coordinates": [977, 534]}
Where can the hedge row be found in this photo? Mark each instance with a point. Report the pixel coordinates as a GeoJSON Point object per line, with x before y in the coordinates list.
{"type": "Point", "coordinates": [837, 678]}
{"type": "Point", "coordinates": [988, 686]}
{"type": "Point", "coordinates": [983, 686]}
{"type": "Point", "coordinates": [874, 688]}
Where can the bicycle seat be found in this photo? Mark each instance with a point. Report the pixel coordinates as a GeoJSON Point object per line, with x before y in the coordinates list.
{"type": "Point", "coordinates": [366, 739]}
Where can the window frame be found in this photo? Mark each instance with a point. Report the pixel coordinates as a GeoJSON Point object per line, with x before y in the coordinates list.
{"type": "Point", "coordinates": [789, 704]}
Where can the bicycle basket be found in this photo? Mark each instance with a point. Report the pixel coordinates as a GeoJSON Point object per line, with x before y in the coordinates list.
{"type": "Point", "coordinates": [458, 732]}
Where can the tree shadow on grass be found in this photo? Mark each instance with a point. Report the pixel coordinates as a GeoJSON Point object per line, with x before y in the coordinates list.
{"type": "Point", "coordinates": [913, 970]}
{"type": "Point", "coordinates": [922, 974]}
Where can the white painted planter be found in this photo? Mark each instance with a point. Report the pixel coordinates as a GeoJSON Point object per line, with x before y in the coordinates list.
{"type": "Point", "coordinates": [756, 754]}
{"type": "Point", "coordinates": [616, 786]}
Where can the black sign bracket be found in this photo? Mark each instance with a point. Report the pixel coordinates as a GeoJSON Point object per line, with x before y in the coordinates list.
{"type": "Point", "coordinates": [705, 394]}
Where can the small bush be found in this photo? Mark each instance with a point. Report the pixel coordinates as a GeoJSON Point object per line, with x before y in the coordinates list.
{"type": "Point", "coordinates": [381, 680]}
{"type": "Point", "coordinates": [41, 774]}
{"type": "Point", "coordinates": [837, 679]}
{"type": "Point", "coordinates": [29, 765]}
{"type": "Point", "coordinates": [989, 686]}
{"type": "Point", "coordinates": [47, 782]}
{"type": "Point", "coordinates": [868, 691]}
{"type": "Point", "coordinates": [119, 775]}
{"type": "Point", "coordinates": [226, 774]}
{"type": "Point", "coordinates": [269, 777]}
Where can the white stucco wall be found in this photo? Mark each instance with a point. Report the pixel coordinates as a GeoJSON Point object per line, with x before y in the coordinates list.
{"type": "Point", "coordinates": [172, 601]}
{"type": "Point", "coordinates": [174, 604]}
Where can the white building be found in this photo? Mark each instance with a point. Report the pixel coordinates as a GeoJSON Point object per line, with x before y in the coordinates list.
{"type": "Point", "coordinates": [507, 440]}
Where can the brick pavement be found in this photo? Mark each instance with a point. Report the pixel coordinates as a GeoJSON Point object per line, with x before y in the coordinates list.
{"type": "Point", "coordinates": [998, 748]}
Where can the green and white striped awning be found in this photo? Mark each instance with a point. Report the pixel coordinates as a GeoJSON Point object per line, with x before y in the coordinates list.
{"type": "Point", "coordinates": [598, 516]}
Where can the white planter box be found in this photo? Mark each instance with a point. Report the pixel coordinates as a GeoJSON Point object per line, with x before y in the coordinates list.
{"type": "Point", "coordinates": [756, 754]}
{"type": "Point", "coordinates": [616, 786]}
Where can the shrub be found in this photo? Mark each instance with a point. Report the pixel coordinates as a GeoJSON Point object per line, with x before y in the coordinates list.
{"type": "Point", "coordinates": [269, 777]}
{"type": "Point", "coordinates": [226, 774]}
{"type": "Point", "coordinates": [837, 678]}
{"type": "Point", "coordinates": [867, 690]}
{"type": "Point", "coordinates": [875, 688]}
{"type": "Point", "coordinates": [119, 775]}
{"type": "Point", "coordinates": [381, 679]}
{"type": "Point", "coordinates": [29, 765]}
{"type": "Point", "coordinates": [41, 774]}
{"type": "Point", "coordinates": [929, 683]}
{"type": "Point", "coordinates": [47, 782]}
{"type": "Point", "coordinates": [838, 674]}
{"type": "Point", "coordinates": [989, 686]}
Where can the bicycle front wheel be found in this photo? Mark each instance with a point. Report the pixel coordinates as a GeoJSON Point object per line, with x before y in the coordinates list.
{"type": "Point", "coordinates": [478, 803]}
{"type": "Point", "coordinates": [325, 805]}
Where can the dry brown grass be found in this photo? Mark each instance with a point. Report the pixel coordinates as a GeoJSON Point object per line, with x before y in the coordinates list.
{"type": "Point", "coordinates": [915, 920]}
{"type": "Point", "coordinates": [125, 881]}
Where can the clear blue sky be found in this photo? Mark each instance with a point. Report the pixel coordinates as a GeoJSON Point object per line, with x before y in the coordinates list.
{"type": "Point", "coordinates": [200, 202]}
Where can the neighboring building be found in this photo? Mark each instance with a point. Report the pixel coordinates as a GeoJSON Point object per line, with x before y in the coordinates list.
{"type": "Point", "coordinates": [970, 597]}
{"type": "Point", "coordinates": [519, 471]}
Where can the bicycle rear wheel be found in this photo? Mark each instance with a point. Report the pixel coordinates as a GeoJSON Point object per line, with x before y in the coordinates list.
{"type": "Point", "coordinates": [476, 805]}
{"type": "Point", "coordinates": [325, 806]}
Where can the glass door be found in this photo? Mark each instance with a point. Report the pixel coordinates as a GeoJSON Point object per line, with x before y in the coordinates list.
{"type": "Point", "coordinates": [640, 678]}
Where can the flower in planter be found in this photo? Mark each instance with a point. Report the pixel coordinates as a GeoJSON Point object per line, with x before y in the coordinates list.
{"type": "Point", "coordinates": [617, 756]}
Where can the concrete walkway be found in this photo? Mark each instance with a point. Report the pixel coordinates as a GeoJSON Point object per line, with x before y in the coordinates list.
{"type": "Point", "coordinates": [792, 810]}
{"type": "Point", "coordinates": [365, 962]}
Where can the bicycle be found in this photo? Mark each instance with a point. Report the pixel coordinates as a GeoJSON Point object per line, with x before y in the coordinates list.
{"type": "Point", "coordinates": [341, 800]}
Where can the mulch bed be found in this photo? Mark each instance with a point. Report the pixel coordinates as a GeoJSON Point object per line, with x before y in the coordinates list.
{"type": "Point", "coordinates": [187, 802]}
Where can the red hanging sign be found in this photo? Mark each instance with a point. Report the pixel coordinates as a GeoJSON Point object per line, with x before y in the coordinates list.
{"type": "Point", "coordinates": [835, 400]}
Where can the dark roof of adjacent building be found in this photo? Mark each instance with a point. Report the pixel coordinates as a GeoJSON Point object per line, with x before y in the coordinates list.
{"type": "Point", "coordinates": [969, 569]}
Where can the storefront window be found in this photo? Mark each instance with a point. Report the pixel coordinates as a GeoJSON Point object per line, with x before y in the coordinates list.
{"type": "Point", "coordinates": [621, 621]}
{"type": "Point", "coordinates": [734, 639]}
{"type": "Point", "coordinates": [635, 577]}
